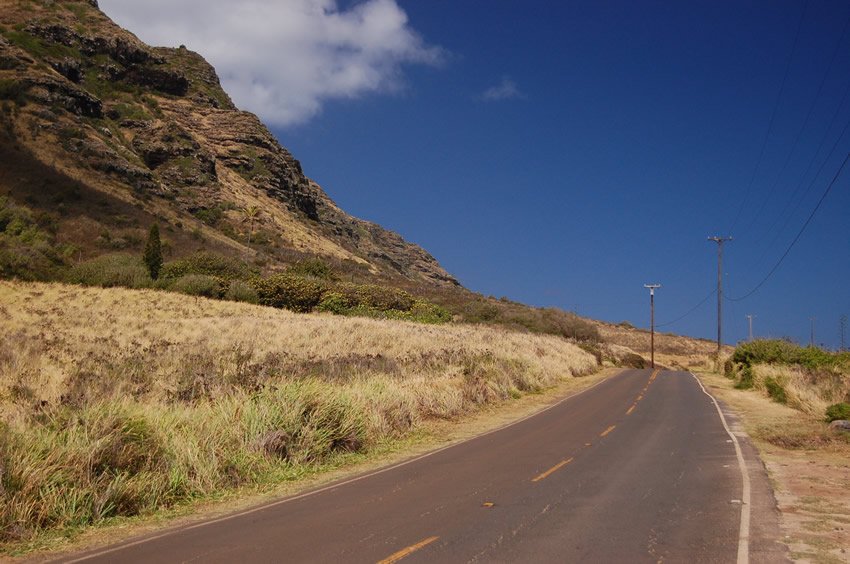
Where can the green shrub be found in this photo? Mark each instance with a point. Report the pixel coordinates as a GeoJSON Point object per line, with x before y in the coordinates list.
{"type": "Point", "coordinates": [780, 351]}
{"type": "Point", "coordinates": [210, 264]}
{"type": "Point", "coordinates": [312, 267]}
{"type": "Point", "coordinates": [335, 302]}
{"type": "Point", "coordinates": [153, 252]}
{"type": "Point", "coordinates": [775, 390]}
{"type": "Point", "coordinates": [13, 90]}
{"type": "Point", "coordinates": [747, 378]}
{"type": "Point", "coordinates": [111, 270]}
{"type": "Point", "coordinates": [197, 285]}
{"type": "Point", "coordinates": [27, 247]}
{"type": "Point", "coordinates": [426, 312]}
{"type": "Point", "coordinates": [241, 291]}
{"type": "Point", "coordinates": [289, 292]}
{"type": "Point", "coordinates": [382, 298]}
{"type": "Point", "coordinates": [633, 360]}
{"type": "Point", "coordinates": [838, 411]}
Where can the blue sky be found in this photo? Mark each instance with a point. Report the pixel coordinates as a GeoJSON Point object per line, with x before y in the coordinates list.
{"type": "Point", "coordinates": [565, 153]}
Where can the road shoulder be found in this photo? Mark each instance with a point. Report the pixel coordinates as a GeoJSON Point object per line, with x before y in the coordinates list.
{"type": "Point", "coordinates": [807, 486]}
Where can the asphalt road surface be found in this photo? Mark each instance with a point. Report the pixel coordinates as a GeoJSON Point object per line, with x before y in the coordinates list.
{"type": "Point", "coordinates": [639, 468]}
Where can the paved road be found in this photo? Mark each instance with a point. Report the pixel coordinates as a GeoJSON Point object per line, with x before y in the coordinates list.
{"type": "Point", "coordinates": [637, 469]}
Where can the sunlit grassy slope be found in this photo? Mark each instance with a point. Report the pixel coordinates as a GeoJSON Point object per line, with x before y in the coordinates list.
{"type": "Point", "coordinates": [119, 402]}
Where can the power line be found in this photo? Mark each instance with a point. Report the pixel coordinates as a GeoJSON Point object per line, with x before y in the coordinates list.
{"type": "Point", "coordinates": [772, 119]}
{"type": "Point", "coordinates": [805, 121]}
{"type": "Point", "coordinates": [814, 178]}
{"type": "Point", "coordinates": [690, 311]}
{"type": "Point", "coordinates": [799, 234]}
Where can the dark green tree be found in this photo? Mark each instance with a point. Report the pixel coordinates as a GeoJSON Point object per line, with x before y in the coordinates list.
{"type": "Point", "coordinates": [153, 252]}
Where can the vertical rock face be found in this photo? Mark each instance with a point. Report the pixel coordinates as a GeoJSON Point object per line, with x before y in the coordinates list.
{"type": "Point", "coordinates": [156, 122]}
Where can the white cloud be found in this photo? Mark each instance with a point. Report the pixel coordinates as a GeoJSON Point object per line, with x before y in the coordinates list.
{"type": "Point", "coordinates": [505, 90]}
{"type": "Point", "coordinates": [283, 58]}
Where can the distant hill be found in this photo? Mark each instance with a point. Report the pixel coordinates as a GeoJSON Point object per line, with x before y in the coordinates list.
{"type": "Point", "coordinates": [102, 135]}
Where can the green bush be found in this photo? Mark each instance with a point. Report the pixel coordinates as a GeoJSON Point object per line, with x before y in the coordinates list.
{"type": "Point", "coordinates": [209, 264]}
{"type": "Point", "coordinates": [241, 291]}
{"type": "Point", "coordinates": [775, 390]}
{"type": "Point", "coordinates": [426, 312]}
{"type": "Point", "coordinates": [153, 252]}
{"type": "Point", "coordinates": [747, 378]}
{"type": "Point", "coordinates": [289, 292]}
{"type": "Point", "coordinates": [27, 246]}
{"type": "Point", "coordinates": [13, 90]}
{"type": "Point", "coordinates": [381, 298]}
{"type": "Point", "coordinates": [335, 302]}
{"type": "Point", "coordinates": [633, 360]}
{"type": "Point", "coordinates": [197, 285]}
{"type": "Point", "coordinates": [312, 267]}
{"type": "Point", "coordinates": [780, 351]}
{"type": "Point", "coordinates": [838, 411]}
{"type": "Point", "coordinates": [111, 270]}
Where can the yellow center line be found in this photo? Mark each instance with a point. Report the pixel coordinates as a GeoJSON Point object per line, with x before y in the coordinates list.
{"type": "Point", "coordinates": [632, 408]}
{"type": "Point", "coordinates": [404, 552]}
{"type": "Point", "coordinates": [552, 469]}
{"type": "Point", "coordinates": [608, 430]}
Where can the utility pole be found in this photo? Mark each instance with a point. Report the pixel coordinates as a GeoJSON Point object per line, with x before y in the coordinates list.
{"type": "Point", "coordinates": [719, 241]}
{"type": "Point", "coordinates": [812, 334]}
{"type": "Point", "coordinates": [842, 328]}
{"type": "Point", "coordinates": [750, 320]}
{"type": "Point", "coordinates": [652, 288]}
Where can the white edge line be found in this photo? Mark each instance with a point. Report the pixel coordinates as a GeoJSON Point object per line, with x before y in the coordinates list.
{"type": "Point", "coordinates": [744, 531]}
{"type": "Point", "coordinates": [329, 486]}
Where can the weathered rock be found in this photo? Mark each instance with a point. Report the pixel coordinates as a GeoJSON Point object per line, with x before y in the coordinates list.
{"type": "Point", "coordinates": [69, 68]}
{"type": "Point", "coordinates": [50, 91]}
{"type": "Point", "coordinates": [840, 425]}
{"type": "Point", "coordinates": [160, 79]}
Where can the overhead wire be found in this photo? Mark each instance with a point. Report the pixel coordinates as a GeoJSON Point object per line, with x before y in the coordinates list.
{"type": "Point", "coordinates": [805, 123]}
{"type": "Point", "coordinates": [690, 311]}
{"type": "Point", "coordinates": [809, 188]}
{"type": "Point", "coordinates": [799, 234]}
{"type": "Point", "coordinates": [772, 120]}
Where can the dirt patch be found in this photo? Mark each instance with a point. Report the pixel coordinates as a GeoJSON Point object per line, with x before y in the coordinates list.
{"type": "Point", "coordinates": [809, 468]}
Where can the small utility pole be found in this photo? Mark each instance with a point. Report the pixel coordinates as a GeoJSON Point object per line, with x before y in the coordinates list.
{"type": "Point", "coordinates": [812, 333]}
{"type": "Point", "coordinates": [652, 288]}
{"type": "Point", "coordinates": [750, 321]}
{"type": "Point", "coordinates": [719, 241]}
{"type": "Point", "coordinates": [842, 329]}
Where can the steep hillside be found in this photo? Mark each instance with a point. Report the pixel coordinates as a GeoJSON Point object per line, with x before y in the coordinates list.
{"type": "Point", "coordinates": [108, 135]}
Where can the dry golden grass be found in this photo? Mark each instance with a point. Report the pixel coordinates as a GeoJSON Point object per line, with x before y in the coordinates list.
{"type": "Point", "coordinates": [674, 351]}
{"type": "Point", "coordinates": [53, 331]}
{"type": "Point", "coordinates": [808, 391]}
{"type": "Point", "coordinates": [118, 402]}
{"type": "Point", "coordinates": [808, 467]}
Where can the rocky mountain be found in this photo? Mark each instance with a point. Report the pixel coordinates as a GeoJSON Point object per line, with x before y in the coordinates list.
{"type": "Point", "coordinates": [107, 135]}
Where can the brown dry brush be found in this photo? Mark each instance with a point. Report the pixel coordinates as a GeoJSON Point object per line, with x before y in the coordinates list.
{"type": "Point", "coordinates": [149, 425]}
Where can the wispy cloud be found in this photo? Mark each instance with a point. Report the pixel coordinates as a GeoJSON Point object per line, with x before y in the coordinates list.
{"type": "Point", "coordinates": [505, 90]}
{"type": "Point", "coordinates": [282, 59]}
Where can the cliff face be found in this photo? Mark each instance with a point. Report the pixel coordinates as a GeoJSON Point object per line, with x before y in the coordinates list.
{"type": "Point", "coordinates": [151, 130]}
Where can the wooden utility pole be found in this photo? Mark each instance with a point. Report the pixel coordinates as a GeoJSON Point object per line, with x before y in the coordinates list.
{"type": "Point", "coordinates": [719, 241]}
{"type": "Point", "coordinates": [750, 321]}
{"type": "Point", "coordinates": [812, 333]}
{"type": "Point", "coordinates": [652, 288]}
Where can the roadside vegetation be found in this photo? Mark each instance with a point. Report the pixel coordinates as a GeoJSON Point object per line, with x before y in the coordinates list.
{"type": "Point", "coordinates": [808, 379]}
{"type": "Point", "coordinates": [119, 402]}
{"type": "Point", "coordinates": [786, 396]}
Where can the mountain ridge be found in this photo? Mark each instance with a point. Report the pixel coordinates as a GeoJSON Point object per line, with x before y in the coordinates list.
{"type": "Point", "coordinates": [153, 128]}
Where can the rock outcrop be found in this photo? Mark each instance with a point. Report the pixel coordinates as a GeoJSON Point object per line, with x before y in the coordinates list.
{"type": "Point", "coordinates": [155, 126]}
